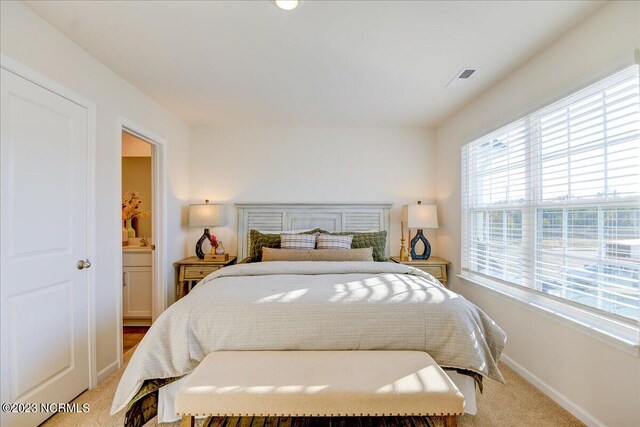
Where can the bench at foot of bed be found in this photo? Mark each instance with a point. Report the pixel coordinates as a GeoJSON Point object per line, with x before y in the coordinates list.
{"type": "Point", "coordinates": [319, 384]}
{"type": "Point", "coordinates": [319, 421]}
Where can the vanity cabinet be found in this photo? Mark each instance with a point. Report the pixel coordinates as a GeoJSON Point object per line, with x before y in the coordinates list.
{"type": "Point", "coordinates": [136, 287]}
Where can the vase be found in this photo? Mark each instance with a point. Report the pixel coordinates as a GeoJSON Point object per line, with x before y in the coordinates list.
{"type": "Point", "coordinates": [125, 236]}
{"type": "Point", "coordinates": [131, 233]}
{"type": "Point", "coordinates": [135, 224]}
{"type": "Point", "coordinates": [219, 248]}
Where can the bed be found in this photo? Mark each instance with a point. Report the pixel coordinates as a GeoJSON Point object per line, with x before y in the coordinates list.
{"type": "Point", "coordinates": [309, 306]}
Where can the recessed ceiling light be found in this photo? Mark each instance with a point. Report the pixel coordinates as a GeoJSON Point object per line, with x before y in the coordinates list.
{"type": "Point", "coordinates": [286, 4]}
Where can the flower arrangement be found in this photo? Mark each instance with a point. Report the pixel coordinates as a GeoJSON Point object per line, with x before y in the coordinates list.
{"type": "Point", "coordinates": [214, 241]}
{"type": "Point", "coordinates": [132, 206]}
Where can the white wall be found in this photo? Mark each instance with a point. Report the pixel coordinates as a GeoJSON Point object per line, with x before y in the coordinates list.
{"type": "Point", "coordinates": [601, 380]}
{"type": "Point", "coordinates": [28, 39]}
{"type": "Point", "coordinates": [311, 165]}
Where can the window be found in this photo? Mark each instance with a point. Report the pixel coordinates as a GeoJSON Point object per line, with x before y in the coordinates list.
{"type": "Point", "coordinates": [551, 202]}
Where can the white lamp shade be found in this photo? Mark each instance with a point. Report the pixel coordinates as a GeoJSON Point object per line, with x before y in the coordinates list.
{"type": "Point", "coordinates": [204, 215]}
{"type": "Point", "coordinates": [422, 216]}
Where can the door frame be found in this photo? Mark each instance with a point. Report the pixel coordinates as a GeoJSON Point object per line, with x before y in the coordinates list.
{"type": "Point", "coordinates": [41, 80]}
{"type": "Point", "coordinates": [159, 291]}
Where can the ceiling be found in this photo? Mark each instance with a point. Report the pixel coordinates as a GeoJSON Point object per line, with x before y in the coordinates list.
{"type": "Point", "coordinates": [327, 63]}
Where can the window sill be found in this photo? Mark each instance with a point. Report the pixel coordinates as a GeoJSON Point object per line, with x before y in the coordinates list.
{"type": "Point", "coordinates": [621, 335]}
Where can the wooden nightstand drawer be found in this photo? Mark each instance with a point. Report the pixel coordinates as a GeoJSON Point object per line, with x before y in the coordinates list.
{"type": "Point", "coordinates": [434, 271]}
{"type": "Point", "coordinates": [199, 271]}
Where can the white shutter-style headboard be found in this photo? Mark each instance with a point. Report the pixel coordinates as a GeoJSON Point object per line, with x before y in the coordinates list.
{"type": "Point", "coordinates": [274, 218]}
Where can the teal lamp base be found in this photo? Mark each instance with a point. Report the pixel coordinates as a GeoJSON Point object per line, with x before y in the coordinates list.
{"type": "Point", "coordinates": [419, 237]}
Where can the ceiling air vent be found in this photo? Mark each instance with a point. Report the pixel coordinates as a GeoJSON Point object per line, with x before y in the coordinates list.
{"type": "Point", "coordinates": [461, 77]}
{"type": "Point", "coordinates": [466, 74]}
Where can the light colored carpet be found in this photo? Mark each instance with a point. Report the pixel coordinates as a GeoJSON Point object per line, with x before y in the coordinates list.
{"type": "Point", "coordinates": [516, 403]}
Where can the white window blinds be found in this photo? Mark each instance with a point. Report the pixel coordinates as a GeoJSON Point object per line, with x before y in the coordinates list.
{"type": "Point", "coordinates": [551, 202]}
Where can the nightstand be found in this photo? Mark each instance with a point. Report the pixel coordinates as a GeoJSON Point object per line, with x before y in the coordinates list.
{"type": "Point", "coordinates": [193, 269]}
{"type": "Point", "coordinates": [437, 267]}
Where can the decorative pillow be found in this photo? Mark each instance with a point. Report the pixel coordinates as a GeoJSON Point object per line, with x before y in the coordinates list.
{"type": "Point", "coordinates": [259, 240]}
{"type": "Point", "coordinates": [271, 254]}
{"type": "Point", "coordinates": [328, 241]}
{"type": "Point", "coordinates": [297, 241]}
{"type": "Point", "coordinates": [376, 240]}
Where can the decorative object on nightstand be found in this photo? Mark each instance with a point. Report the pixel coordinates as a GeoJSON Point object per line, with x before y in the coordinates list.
{"type": "Point", "coordinates": [204, 216]}
{"type": "Point", "coordinates": [217, 251]}
{"type": "Point", "coordinates": [421, 216]}
{"type": "Point", "coordinates": [192, 269]}
{"type": "Point", "coordinates": [404, 254]}
{"type": "Point", "coordinates": [216, 258]}
{"type": "Point", "coordinates": [437, 267]}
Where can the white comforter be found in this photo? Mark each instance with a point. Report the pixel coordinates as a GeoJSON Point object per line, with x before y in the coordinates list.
{"type": "Point", "coordinates": [315, 306]}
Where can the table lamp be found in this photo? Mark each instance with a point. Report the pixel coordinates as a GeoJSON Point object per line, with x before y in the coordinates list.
{"type": "Point", "coordinates": [204, 216]}
{"type": "Point", "coordinates": [421, 216]}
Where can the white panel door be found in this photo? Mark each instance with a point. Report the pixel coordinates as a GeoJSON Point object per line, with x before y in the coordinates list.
{"type": "Point", "coordinates": [44, 305]}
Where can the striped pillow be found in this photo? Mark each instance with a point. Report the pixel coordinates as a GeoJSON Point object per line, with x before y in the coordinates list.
{"type": "Point", "coordinates": [297, 241]}
{"type": "Point", "coordinates": [327, 241]}
{"type": "Point", "coordinates": [376, 240]}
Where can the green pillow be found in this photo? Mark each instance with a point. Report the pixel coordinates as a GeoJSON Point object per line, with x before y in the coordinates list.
{"type": "Point", "coordinates": [374, 239]}
{"type": "Point", "coordinates": [261, 240]}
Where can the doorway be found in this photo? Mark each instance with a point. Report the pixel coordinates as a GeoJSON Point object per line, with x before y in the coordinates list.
{"type": "Point", "coordinates": [140, 209]}
{"type": "Point", "coordinates": [137, 238]}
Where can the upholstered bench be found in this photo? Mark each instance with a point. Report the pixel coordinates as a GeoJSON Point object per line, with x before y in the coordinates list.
{"type": "Point", "coordinates": [318, 383]}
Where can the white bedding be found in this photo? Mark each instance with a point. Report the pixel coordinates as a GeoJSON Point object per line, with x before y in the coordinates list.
{"type": "Point", "coordinates": [315, 306]}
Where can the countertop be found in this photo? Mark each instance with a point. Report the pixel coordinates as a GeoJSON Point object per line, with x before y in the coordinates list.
{"type": "Point", "coordinates": [137, 249]}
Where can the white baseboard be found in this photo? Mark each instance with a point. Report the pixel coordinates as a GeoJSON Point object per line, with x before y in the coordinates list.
{"type": "Point", "coordinates": [562, 400]}
{"type": "Point", "coordinates": [105, 372]}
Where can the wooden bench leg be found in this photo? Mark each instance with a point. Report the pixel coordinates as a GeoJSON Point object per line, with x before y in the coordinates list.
{"type": "Point", "coordinates": [187, 421]}
{"type": "Point", "coordinates": [450, 421]}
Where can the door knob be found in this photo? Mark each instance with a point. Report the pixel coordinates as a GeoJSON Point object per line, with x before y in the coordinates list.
{"type": "Point", "coordinates": [82, 264]}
